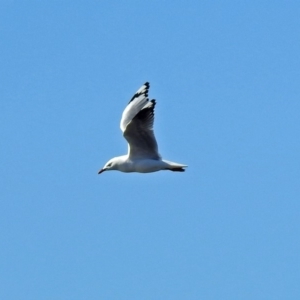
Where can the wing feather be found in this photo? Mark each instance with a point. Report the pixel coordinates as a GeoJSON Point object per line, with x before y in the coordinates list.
{"type": "Point", "coordinates": [137, 125]}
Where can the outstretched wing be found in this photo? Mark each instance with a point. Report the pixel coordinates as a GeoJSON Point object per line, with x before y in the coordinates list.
{"type": "Point", "coordinates": [137, 125]}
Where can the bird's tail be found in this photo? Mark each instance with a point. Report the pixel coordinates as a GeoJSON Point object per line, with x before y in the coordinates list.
{"type": "Point", "coordinates": [175, 167]}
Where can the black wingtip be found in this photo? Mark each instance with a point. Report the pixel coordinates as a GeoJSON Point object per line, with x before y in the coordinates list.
{"type": "Point", "coordinates": [145, 91]}
{"type": "Point", "coordinates": [153, 106]}
{"type": "Point", "coordinates": [147, 85]}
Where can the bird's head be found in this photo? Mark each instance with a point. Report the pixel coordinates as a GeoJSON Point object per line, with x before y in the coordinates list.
{"type": "Point", "coordinates": [112, 164]}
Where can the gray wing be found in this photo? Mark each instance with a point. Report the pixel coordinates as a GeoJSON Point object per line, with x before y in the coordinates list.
{"type": "Point", "coordinates": [137, 126]}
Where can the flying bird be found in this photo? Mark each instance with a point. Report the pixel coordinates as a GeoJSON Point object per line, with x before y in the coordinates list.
{"type": "Point", "coordinates": [137, 127]}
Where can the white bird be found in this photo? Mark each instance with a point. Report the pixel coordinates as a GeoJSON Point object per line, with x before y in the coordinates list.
{"type": "Point", "coordinates": [137, 127]}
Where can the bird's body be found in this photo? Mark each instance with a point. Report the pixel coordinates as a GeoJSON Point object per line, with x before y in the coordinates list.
{"type": "Point", "coordinates": [137, 127]}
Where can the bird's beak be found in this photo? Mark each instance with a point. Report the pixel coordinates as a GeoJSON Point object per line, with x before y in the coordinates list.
{"type": "Point", "coordinates": [102, 170]}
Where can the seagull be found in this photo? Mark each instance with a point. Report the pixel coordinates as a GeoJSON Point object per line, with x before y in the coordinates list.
{"type": "Point", "coordinates": [137, 127]}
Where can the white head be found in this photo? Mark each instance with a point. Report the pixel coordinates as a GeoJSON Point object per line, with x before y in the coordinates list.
{"type": "Point", "coordinates": [112, 164]}
{"type": "Point", "coordinates": [117, 163]}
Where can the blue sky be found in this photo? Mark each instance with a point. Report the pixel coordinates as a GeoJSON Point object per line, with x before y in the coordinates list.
{"type": "Point", "coordinates": [225, 75]}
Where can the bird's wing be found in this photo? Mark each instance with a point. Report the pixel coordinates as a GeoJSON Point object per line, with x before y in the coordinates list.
{"type": "Point", "coordinates": [137, 126]}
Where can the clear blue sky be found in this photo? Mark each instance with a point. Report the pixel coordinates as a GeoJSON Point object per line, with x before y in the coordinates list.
{"type": "Point", "coordinates": [226, 78]}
